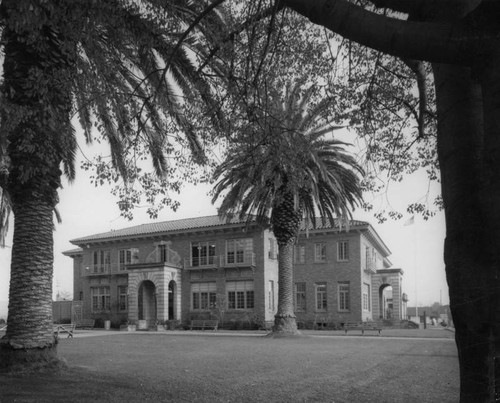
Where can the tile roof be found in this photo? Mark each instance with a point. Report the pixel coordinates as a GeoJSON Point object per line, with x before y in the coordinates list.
{"type": "Point", "coordinates": [75, 251]}
{"type": "Point", "coordinates": [161, 227]}
{"type": "Point", "coordinates": [325, 224]}
{"type": "Point", "coordinates": [189, 224]}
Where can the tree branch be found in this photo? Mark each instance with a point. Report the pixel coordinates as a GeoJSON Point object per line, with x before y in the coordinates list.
{"type": "Point", "coordinates": [443, 42]}
{"type": "Point", "coordinates": [419, 70]}
{"type": "Point", "coordinates": [454, 8]}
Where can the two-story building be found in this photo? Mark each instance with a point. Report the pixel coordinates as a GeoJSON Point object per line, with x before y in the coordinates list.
{"type": "Point", "coordinates": [206, 266]}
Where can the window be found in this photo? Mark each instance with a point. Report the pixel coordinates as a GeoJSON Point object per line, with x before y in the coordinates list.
{"type": "Point", "coordinates": [368, 258]}
{"type": "Point", "coordinates": [321, 297]}
{"type": "Point", "coordinates": [240, 294]}
{"type": "Point", "coordinates": [236, 248]}
{"type": "Point", "coordinates": [202, 253]}
{"type": "Point", "coordinates": [122, 297]}
{"type": "Point", "coordinates": [272, 249]}
{"type": "Point", "coordinates": [163, 253]}
{"type": "Point", "coordinates": [344, 296]}
{"type": "Point", "coordinates": [374, 259]}
{"type": "Point", "coordinates": [343, 251]}
{"type": "Point", "coordinates": [300, 297]}
{"type": "Point", "coordinates": [320, 252]}
{"type": "Point", "coordinates": [125, 257]}
{"type": "Point", "coordinates": [204, 296]}
{"type": "Point", "coordinates": [271, 295]}
{"type": "Point", "coordinates": [299, 254]}
{"type": "Point", "coordinates": [101, 261]}
{"type": "Point", "coordinates": [366, 297]}
{"type": "Point", "coordinates": [100, 298]}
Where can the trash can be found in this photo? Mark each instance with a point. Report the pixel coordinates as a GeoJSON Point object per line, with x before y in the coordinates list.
{"type": "Point", "coordinates": [107, 324]}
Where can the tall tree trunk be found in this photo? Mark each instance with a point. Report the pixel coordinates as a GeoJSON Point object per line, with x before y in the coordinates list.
{"type": "Point", "coordinates": [469, 162]}
{"type": "Point", "coordinates": [285, 220]}
{"type": "Point", "coordinates": [36, 104]}
{"type": "Point", "coordinates": [29, 343]}
{"type": "Point", "coordinates": [284, 320]}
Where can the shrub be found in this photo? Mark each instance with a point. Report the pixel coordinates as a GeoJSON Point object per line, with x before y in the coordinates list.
{"type": "Point", "coordinates": [99, 323]}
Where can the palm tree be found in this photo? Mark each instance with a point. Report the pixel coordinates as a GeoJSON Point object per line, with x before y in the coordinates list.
{"type": "Point", "coordinates": [120, 67]}
{"type": "Point", "coordinates": [282, 170]}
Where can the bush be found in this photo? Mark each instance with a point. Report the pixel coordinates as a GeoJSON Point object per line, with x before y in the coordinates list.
{"type": "Point", "coordinates": [2, 321]}
{"type": "Point", "coordinates": [99, 323]}
{"type": "Point", "coordinates": [172, 324]}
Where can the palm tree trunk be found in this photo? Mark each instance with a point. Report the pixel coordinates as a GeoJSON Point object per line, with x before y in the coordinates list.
{"type": "Point", "coordinates": [285, 221]}
{"type": "Point", "coordinates": [29, 342]}
{"type": "Point", "coordinates": [284, 320]}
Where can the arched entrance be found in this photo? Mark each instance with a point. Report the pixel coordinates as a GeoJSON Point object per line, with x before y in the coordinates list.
{"type": "Point", "coordinates": [386, 302]}
{"type": "Point", "coordinates": [146, 300]}
{"type": "Point", "coordinates": [171, 299]}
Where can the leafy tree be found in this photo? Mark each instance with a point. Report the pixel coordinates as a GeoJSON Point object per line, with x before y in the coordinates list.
{"type": "Point", "coordinates": [119, 67]}
{"type": "Point", "coordinates": [281, 169]}
{"type": "Point", "coordinates": [461, 41]}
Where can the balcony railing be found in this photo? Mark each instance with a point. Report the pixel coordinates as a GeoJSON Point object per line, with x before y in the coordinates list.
{"type": "Point", "coordinates": [236, 259]}
{"type": "Point", "coordinates": [203, 262]}
{"type": "Point", "coordinates": [102, 270]}
{"type": "Point", "coordinates": [243, 259]}
{"type": "Point", "coordinates": [246, 259]}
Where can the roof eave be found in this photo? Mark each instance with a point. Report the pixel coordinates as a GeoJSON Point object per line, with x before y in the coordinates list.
{"type": "Point", "coordinates": [83, 242]}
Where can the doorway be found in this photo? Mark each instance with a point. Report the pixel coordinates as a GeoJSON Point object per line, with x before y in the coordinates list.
{"type": "Point", "coordinates": [147, 302]}
{"type": "Point", "coordinates": [386, 302]}
{"type": "Point", "coordinates": [171, 300]}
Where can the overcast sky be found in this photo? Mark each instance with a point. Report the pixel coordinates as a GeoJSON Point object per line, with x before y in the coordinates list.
{"type": "Point", "coordinates": [87, 210]}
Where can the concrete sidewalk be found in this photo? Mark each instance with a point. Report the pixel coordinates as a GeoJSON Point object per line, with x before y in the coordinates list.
{"type": "Point", "coordinates": [430, 333]}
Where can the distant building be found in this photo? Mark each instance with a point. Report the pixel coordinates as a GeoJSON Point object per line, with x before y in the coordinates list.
{"type": "Point", "coordinates": [440, 314]}
{"type": "Point", "coordinates": [205, 267]}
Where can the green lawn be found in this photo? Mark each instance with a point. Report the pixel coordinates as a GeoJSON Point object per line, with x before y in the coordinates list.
{"type": "Point", "coordinates": [189, 367]}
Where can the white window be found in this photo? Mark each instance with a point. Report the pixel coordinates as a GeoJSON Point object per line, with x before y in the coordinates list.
{"type": "Point", "coordinates": [122, 297]}
{"type": "Point", "coordinates": [240, 294]}
{"type": "Point", "coordinates": [101, 261]}
{"type": "Point", "coordinates": [299, 253]}
{"type": "Point", "coordinates": [100, 299]}
{"type": "Point", "coordinates": [321, 304]}
{"type": "Point", "coordinates": [203, 296]}
{"type": "Point", "coordinates": [343, 292]}
{"type": "Point", "coordinates": [320, 252]}
{"type": "Point", "coordinates": [271, 295]}
{"type": "Point", "coordinates": [300, 297]}
{"type": "Point", "coordinates": [238, 250]}
{"type": "Point", "coordinates": [366, 297]}
{"type": "Point", "coordinates": [202, 253]}
{"type": "Point", "coordinates": [125, 257]}
{"type": "Point", "coordinates": [343, 251]}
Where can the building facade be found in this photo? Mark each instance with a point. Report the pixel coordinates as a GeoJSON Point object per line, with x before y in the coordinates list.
{"type": "Point", "coordinates": [206, 267]}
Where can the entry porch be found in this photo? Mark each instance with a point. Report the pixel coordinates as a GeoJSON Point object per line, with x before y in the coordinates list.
{"type": "Point", "coordinates": [154, 293]}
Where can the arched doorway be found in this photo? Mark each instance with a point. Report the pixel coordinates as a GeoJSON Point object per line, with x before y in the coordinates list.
{"type": "Point", "coordinates": [147, 302]}
{"type": "Point", "coordinates": [171, 299]}
{"type": "Point", "coordinates": [386, 302]}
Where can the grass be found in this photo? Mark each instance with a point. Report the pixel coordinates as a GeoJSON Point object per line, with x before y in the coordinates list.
{"type": "Point", "coordinates": [194, 367]}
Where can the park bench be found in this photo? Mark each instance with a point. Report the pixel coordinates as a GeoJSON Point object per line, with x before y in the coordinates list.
{"type": "Point", "coordinates": [363, 326]}
{"type": "Point", "coordinates": [85, 323]}
{"type": "Point", "coordinates": [61, 328]}
{"type": "Point", "coordinates": [204, 324]}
